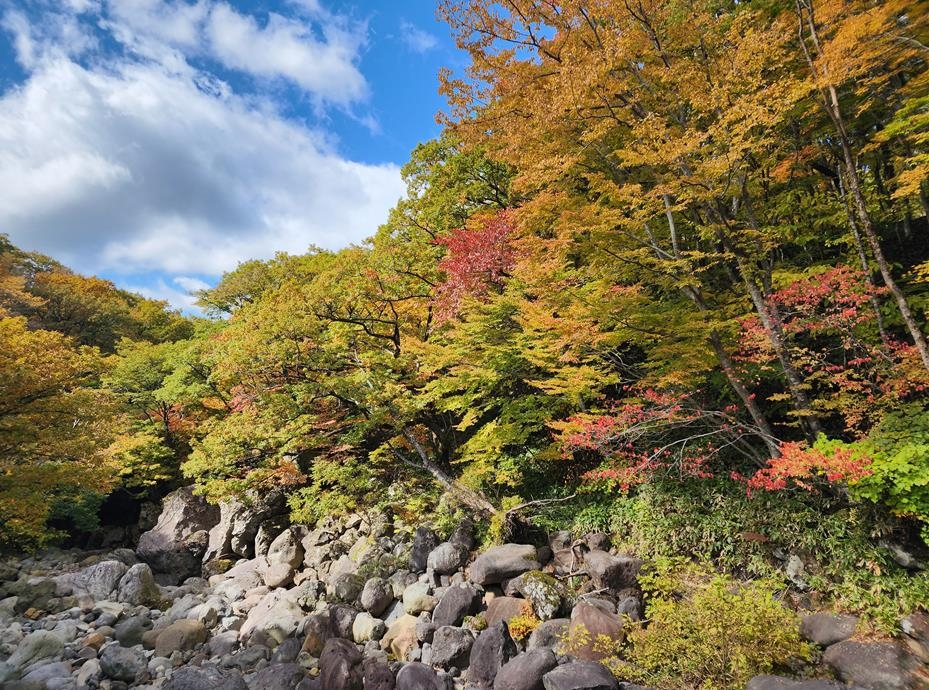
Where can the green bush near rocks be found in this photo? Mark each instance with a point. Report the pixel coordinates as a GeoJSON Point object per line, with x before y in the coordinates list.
{"type": "Point", "coordinates": [709, 631]}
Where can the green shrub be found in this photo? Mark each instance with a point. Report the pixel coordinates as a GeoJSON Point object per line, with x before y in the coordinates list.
{"type": "Point", "coordinates": [899, 479]}
{"type": "Point", "coordinates": [744, 535]}
{"type": "Point", "coordinates": [707, 630]}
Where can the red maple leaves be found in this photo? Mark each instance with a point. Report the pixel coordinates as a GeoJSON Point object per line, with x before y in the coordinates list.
{"type": "Point", "coordinates": [478, 260]}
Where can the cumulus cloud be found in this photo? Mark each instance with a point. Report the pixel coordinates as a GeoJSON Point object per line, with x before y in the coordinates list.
{"type": "Point", "coordinates": [145, 163]}
{"type": "Point", "coordinates": [416, 39]}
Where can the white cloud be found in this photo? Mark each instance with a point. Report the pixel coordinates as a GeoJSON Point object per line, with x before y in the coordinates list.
{"type": "Point", "coordinates": [317, 51]}
{"type": "Point", "coordinates": [324, 66]}
{"type": "Point", "coordinates": [153, 173]}
{"type": "Point", "coordinates": [416, 39]}
{"type": "Point", "coordinates": [149, 164]}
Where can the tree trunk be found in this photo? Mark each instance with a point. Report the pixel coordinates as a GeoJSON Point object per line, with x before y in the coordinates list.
{"type": "Point", "coordinates": [475, 499]}
{"type": "Point", "coordinates": [830, 100]}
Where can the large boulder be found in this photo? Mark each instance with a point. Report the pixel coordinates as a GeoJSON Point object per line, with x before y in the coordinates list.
{"type": "Point", "coordinates": [35, 647]}
{"type": "Point", "coordinates": [542, 591]}
{"type": "Point", "coordinates": [175, 545]}
{"type": "Point", "coordinates": [284, 676]}
{"type": "Point", "coordinates": [98, 581]}
{"type": "Point", "coordinates": [376, 596]}
{"type": "Point", "coordinates": [416, 676]}
{"type": "Point", "coordinates": [204, 678]}
{"type": "Point", "coordinates": [525, 672]}
{"type": "Point", "coordinates": [340, 666]}
{"type": "Point", "coordinates": [599, 631]}
{"type": "Point", "coordinates": [828, 628]}
{"type": "Point", "coordinates": [184, 635]}
{"type": "Point", "coordinates": [400, 637]}
{"type": "Point", "coordinates": [455, 603]}
{"type": "Point", "coordinates": [424, 541]}
{"type": "Point", "coordinates": [234, 532]}
{"type": "Point", "coordinates": [447, 557]}
{"type": "Point", "coordinates": [286, 549]}
{"type": "Point", "coordinates": [122, 663]}
{"type": "Point", "coordinates": [549, 634]}
{"type": "Point", "coordinates": [869, 665]}
{"type": "Point", "coordinates": [276, 615]}
{"type": "Point", "coordinates": [138, 587]}
{"type": "Point", "coordinates": [491, 650]}
{"type": "Point", "coordinates": [451, 646]}
{"type": "Point", "coordinates": [580, 675]}
{"type": "Point", "coordinates": [416, 598]}
{"type": "Point", "coordinates": [502, 562]}
{"type": "Point", "coordinates": [612, 572]}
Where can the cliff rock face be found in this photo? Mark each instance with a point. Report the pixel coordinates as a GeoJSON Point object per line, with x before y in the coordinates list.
{"type": "Point", "coordinates": [176, 544]}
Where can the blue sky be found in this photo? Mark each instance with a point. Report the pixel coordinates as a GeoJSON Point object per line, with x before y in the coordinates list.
{"type": "Point", "coordinates": [160, 142]}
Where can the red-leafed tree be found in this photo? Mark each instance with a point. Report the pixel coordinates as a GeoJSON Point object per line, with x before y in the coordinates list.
{"type": "Point", "coordinates": [654, 434]}
{"type": "Point", "coordinates": [804, 467]}
{"type": "Point", "coordinates": [478, 259]}
{"type": "Point", "coordinates": [831, 331]}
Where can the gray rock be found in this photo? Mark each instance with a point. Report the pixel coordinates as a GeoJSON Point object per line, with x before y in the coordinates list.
{"type": "Point", "coordinates": [591, 622]}
{"type": "Point", "coordinates": [237, 526]}
{"type": "Point", "coordinates": [286, 548]}
{"type": "Point", "coordinates": [286, 652]}
{"type": "Point", "coordinates": [416, 676]}
{"type": "Point", "coordinates": [542, 591]}
{"type": "Point", "coordinates": [35, 647]}
{"type": "Point", "coordinates": [278, 575]}
{"type": "Point", "coordinates": [612, 572]}
{"type": "Point", "coordinates": [204, 678]}
{"type": "Point", "coordinates": [342, 620]}
{"type": "Point", "coordinates": [424, 541]}
{"type": "Point", "coordinates": [183, 635]}
{"type": "Point", "coordinates": [278, 677]}
{"type": "Point", "coordinates": [781, 683]}
{"type": "Point", "coordinates": [491, 650]}
{"type": "Point", "coordinates": [580, 675]}
{"type": "Point", "coordinates": [416, 598]}
{"type": "Point", "coordinates": [598, 541]}
{"type": "Point", "coordinates": [316, 629]}
{"type": "Point", "coordinates": [276, 615]}
{"type": "Point", "coordinates": [447, 557]}
{"type": "Point", "coordinates": [346, 587]}
{"type": "Point", "coordinates": [827, 628]}
{"type": "Point", "coordinates": [268, 531]}
{"type": "Point", "coordinates": [525, 671]}
{"type": "Point", "coordinates": [502, 562]}
{"type": "Point", "coordinates": [175, 546]}
{"type": "Point", "coordinates": [99, 581]}
{"type": "Point", "coordinates": [425, 628]}
{"type": "Point", "coordinates": [47, 675]}
{"type": "Point", "coordinates": [121, 663]}
{"type": "Point", "coordinates": [90, 671]}
{"type": "Point", "coordinates": [463, 534]}
{"type": "Point", "coordinates": [455, 603]}
{"type": "Point", "coordinates": [376, 596]}
{"type": "Point", "coordinates": [128, 632]}
{"type": "Point", "coordinates": [138, 587]}
{"type": "Point", "coordinates": [340, 666]}
{"type": "Point", "coordinates": [377, 675]}
{"type": "Point", "coordinates": [366, 628]}
{"type": "Point", "coordinates": [549, 634]}
{"type": "Point", "coordinates": [224, 643]}
{"type": "Point", "coordinates": [869, 665]}
{"type": "Point", "coordinates": [451, 646]}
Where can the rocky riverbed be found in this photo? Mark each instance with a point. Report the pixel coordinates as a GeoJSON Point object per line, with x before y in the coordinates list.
{"type": "Point", "coordinates": [233, 598]}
